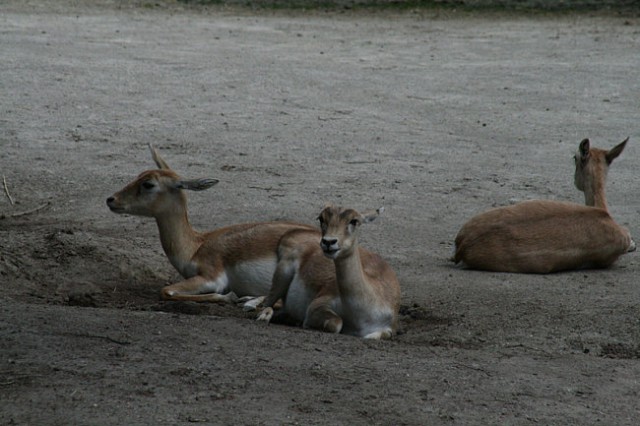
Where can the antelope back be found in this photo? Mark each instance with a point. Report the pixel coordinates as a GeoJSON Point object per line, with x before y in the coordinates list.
{"type": "Point", "coordinates": [541, 237]}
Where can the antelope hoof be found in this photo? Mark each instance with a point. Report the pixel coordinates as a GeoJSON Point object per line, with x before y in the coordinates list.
{"type": "Point", "coordinates": [632, 247]}
{"type": "Point", "coordinates": [266, 315]}
{"type": "Point", "coordinates": [231, 297]}
{"type": "Point", "coordinates": [380, 335]}
{"type": "Point", "coordinates": [251, 303]}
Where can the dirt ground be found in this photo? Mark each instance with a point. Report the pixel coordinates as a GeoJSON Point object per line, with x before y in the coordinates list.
{"type": "Point", "coordinates": [436, 115]}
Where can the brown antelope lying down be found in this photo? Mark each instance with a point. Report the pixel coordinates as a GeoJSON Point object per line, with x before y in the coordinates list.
{"type": "Point", "coordinates": [550, 236]}
{"type": "Point", "coordinates": [237, 260]}
{"type": "Point", "coordinates": [329, 283]}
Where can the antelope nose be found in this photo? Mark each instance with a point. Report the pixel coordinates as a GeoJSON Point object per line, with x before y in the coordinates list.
{"type": "Point", "coordinates": [329, 241]}
{"type": "Point", "coordinates": [110, 200]}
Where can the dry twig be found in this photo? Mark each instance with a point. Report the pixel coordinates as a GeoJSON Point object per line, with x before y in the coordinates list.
{"type": "Point", "coordinates": [25, 213]}
{"type": "Point", "coordinates": [6, 190]}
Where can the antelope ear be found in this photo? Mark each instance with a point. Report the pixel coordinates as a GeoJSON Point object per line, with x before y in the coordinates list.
{"type": "Point", "coordinates": [159, 161]}
{"type": "Point", "coordinates": [196, 184]}
{"type": "Point", "coordinates": [613, 153]}
{"type": "Point", "coordinates": [327, 205]}
{"type": "Point", "coordinates": [584, 149]}
{"type": "Point", "coordinates": [370, 216]}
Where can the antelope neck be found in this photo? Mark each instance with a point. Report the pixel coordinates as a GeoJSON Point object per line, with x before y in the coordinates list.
{"type": "Point", "coordinates": [178, 238]}
{"type": "Point", "coordinates": [349, 274]}
{"type": "Point", "coordinates": [594, 195]}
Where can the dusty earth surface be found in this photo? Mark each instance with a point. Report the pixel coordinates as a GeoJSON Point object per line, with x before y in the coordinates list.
{"type": "Point", "coordinates": [437, 115]}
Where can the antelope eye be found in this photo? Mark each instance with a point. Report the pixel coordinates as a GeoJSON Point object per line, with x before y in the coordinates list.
{"type": "Point", "coordinates": [354, 222]}
{"type": "Point", "coordinates": [148, 185]}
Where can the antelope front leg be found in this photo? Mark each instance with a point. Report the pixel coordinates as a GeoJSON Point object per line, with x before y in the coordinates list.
{"type": "Point", "coordinates": [282, 277]}
{"type": "Point", "coordinates": [197, 289]}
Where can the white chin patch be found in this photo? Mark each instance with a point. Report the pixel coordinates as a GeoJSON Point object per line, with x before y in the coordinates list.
{"type": "Point", "coordinates": [331, 254]}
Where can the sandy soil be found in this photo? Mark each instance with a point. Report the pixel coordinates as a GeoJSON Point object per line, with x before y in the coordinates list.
{"type": "Point", "coordinates": [435, 115]}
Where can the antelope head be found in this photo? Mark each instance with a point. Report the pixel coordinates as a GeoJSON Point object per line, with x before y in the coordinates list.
{"type": "Point", "coordinates": [339, 229]}
{"type": "Point", "coordinates": [592, 165]}
{"type": "Point", "coordinates": [155, 192]}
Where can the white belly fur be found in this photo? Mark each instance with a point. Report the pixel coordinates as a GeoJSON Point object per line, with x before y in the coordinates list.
{"type": "Point", "coordinates": [362, 320]}
{"type": "Point", "coordinates": [298, 300]}
{"type": "Point", "coordinates": [251, 278]}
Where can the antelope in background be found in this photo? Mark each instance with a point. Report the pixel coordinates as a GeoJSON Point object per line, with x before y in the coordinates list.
{"type": "Point", "coordinates": [549, 236]}
{"type": "Point", "coordinates": [328, 282]}
{"type": "Point", "coordinates": [221, 265]}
